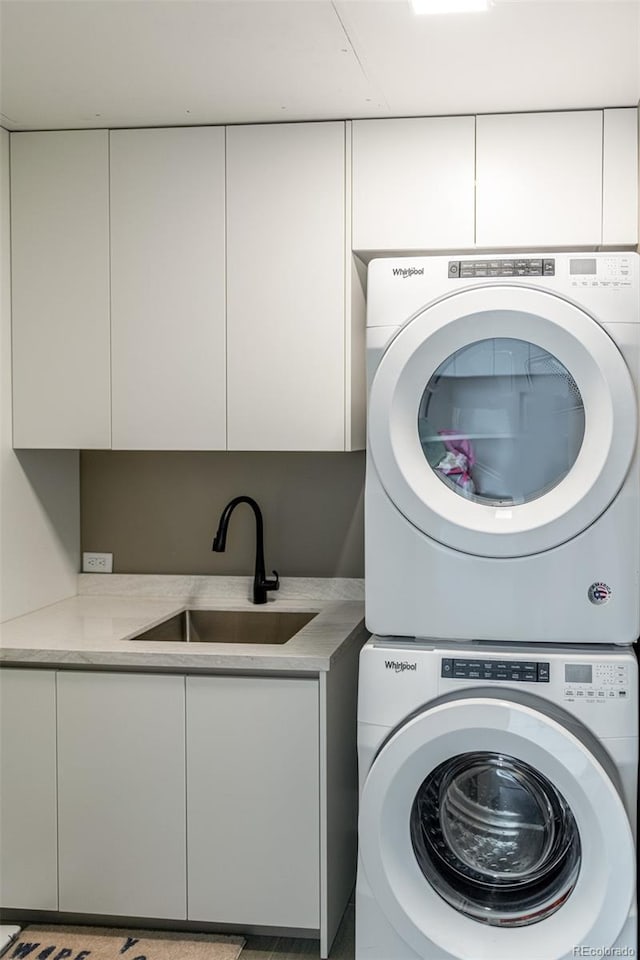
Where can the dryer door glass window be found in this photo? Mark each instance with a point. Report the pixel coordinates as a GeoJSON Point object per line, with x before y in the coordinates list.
{"type": "Point", "coordinates": [495, 839]}
{"type": "Point", "coordinates": [501, 421]}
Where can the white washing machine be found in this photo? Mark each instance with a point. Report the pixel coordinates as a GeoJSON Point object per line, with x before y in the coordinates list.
{"type": "Point", "coordinates": [497, 802]}
{"type": "Point", "coordinates": [502, 484]}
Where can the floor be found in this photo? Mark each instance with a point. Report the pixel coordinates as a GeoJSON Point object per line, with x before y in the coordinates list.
{"type": "Point", "coordinates": [281, 948]}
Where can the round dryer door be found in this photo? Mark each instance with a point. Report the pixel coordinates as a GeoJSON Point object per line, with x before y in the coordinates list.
{"type": "Point", "coordinates": [502, 421]}
{"type": "Point", "coordinates": [490, 830]}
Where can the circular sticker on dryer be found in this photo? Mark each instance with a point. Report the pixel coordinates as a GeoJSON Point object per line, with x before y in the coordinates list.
{"type": "Point", "coordinates": [599, 593]}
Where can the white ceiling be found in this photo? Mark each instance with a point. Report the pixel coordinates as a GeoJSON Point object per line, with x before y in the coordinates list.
{"type": "Point", "coordinates": [114, 63]}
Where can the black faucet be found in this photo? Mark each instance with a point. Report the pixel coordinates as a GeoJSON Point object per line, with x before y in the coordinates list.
{"type": "Point", "coordinates": [260, 582]}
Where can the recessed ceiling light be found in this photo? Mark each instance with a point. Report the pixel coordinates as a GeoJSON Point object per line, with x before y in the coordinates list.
{"type": "Point", "coordinates": [449, 6]}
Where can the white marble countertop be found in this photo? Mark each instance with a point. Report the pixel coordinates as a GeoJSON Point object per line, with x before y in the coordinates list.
{"type": "Point", "coordinates": [95, 627]}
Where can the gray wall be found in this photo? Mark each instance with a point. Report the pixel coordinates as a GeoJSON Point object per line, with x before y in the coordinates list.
{"type": "Point", "coordinates": [39, 496]}
{"type": "Point", "coordinates": [157, 512]}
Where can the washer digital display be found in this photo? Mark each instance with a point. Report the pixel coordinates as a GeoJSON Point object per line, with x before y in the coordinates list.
{"type": "Point", "coordinates": [578, 673]}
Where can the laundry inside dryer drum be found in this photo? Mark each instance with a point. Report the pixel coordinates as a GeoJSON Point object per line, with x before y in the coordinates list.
{"type": "Point", "coordinates": [495, 839]}
{"type": "Point", "coordinates": [501, 421]}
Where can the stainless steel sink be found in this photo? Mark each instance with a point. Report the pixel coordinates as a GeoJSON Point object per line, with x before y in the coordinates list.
{"type": "Point", "coordinates": [229, 626]}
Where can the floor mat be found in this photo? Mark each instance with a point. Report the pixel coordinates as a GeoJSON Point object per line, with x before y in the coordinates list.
{"type": "Point", "coordinates": [53, 942]}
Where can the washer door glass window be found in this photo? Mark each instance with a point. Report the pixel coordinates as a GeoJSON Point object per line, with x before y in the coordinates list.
{"type": "Point", "coordinates": [495, 839]}
{"type": "Point", "coordinates": [501, 421]}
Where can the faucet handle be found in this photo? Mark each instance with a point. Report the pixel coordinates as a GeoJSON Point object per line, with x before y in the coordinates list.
{"type": "Point", "coordinates": [272, 584]}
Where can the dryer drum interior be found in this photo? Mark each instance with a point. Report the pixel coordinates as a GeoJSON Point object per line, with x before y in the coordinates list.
{"type": "Point", "coordinates": [495, 839]}
{"type": "Point", "coordinates": [501, 421]}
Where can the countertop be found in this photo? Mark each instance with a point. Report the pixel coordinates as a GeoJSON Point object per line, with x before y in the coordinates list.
{"type": "Point", "coordinates": [95, 627]}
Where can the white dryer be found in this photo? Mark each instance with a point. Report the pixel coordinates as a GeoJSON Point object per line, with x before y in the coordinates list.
{"type": "Point", "coordinates": [497, 802]}
{"type": "Point", "coordinates": [502, 485]}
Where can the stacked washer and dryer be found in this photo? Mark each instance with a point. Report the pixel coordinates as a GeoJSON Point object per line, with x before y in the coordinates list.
{"type": "Point", "coordinates": [498, 695]}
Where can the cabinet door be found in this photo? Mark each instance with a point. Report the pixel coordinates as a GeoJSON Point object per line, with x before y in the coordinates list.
{"type": "Point", "coordinates": [413, 183]}
{"type": "Point", "coordinates": [285, 286]}
{"type": "Point", "coordinates": [60, 289]}
{"type": "Point", "coordinates": [121, 794]}
{"type": "Point", "coordinates": [539, 179]}
{"type": "Point", "coordinates": [168, 289]}
{"type": "Point", "coordinates": [253, 800]}
{"type": "Point", "coordinates": [28, 828]}
{"type": "Point", "coordinates": [620, 177]}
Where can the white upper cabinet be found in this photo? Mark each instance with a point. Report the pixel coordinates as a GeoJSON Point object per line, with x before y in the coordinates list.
{"type": "Point", "coordinates": [60, 289]}
{"type": "Point", "coordinates": [286, 265]}
{"type": "Point", "coordinates": [413, 183]}
{"type": "Point", "coordinates": [168, 289]}
{"type": "Point", "coordinates": [539, 179]}
{"type": "Point", "coordinates": [620, 177]}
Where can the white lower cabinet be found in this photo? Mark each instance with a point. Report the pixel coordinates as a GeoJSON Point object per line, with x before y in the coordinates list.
{"type": "Point", "coordinates": [226, 799]}
{"type": "Point", "coordinates": [253, 800]}
{"type": "Point", "coordinates": [121, 802]}
{"type": "Point", "coordinates": [28, 830]}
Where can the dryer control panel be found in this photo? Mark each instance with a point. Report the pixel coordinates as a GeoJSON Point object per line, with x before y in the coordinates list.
{"type": "Point", "coordinates": [515, 267]}
{"type": "Point", "coordinates": [583, 271]}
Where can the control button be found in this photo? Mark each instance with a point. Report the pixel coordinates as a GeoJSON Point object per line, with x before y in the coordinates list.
{"type": "Point", "coordinates": [529, 676]}
{"type": "Point", "coordinates": [516, 676]}
{"type": "Point", "coordinates": [549, 268]}
{"type": "Point", "coordinates": [473, 674]}
{"type": "Point", "coordinates": [591, 693]}
{"type": "Point", "coordinates": [601, 693]}
{"type": "Point", "coordinates": [447, 668]}
{"type": "Point", "coordinates": [543, 672]}
{"type": "Point", "coordinates": [488, 675]}
{"type": "Point", "coordinates": [454, 269]}
{"type": "Point", "coordinates": [569, 693]}
{"type": "Point", "coordinates": [501, 675]}
{"type": "Point", "coordinates": [579, 693]}
{"type": "Point", "coordinates": [622, 693]}
{"type": "Point", "coordinates": [612, 693]}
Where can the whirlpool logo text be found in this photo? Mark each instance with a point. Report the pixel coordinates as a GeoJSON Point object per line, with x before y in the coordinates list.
{"type": "Point", "coordinates": [405, 272]}
{"type": "Point", "coordinates": [399, 666]}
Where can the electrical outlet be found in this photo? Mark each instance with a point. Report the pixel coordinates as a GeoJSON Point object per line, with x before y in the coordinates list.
{"type": "Point", "coordinates": [97, 563]}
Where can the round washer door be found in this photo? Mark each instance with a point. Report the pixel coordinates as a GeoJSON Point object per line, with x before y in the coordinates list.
{"type": "Point", "coordinates": [586, 903]}
{"type": "Point", "coordinates": [502, 421]}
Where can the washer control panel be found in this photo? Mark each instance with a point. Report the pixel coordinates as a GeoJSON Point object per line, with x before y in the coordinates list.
{"type": "Point", "coordinates": [598, 682]}
{"type": "Point", "coordinates": [533, 671]}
